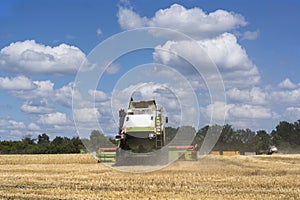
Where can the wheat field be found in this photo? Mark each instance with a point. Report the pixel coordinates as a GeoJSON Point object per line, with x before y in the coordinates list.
{"type": "Point", "coordinates": [214, 177]}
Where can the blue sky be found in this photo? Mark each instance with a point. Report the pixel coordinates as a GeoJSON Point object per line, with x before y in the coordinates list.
{"type": "Point", "coordinates": [255, 45]}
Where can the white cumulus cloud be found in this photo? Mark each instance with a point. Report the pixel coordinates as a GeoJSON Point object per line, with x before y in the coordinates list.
{"type": "Point", "coordinates": [89, 115]}
{"type": "Point", "coordinates": [287, 84]}
{"type": "Point", "coordinates": [286, 96]}
{"type": "Point", "coordinates": [128, 19]}
{"type": "Point", "coordinates": [63, 95]}
{"type": "Point", "coordinates": [16, 83]}
{"type": "Point", "coordinates": [56, 118]}
{"type": "Point", "coordinates": [98, 32]}
{"type": "Point", "coordinates": [236, 68]}
{"type": "Point", "coordinates": [30, 57]}
{"type": "Point", "coordinates": [98, 95]}
{"type": "Point", "coordinates": [42, 89]}
{"type": "Point", "coordinates": [194, 21]}
{"type": "Point", "coordinates": [10, 128]}
{"type": "Point", "coordinates": [37, 106]}
{"type": "Point", "coordinates": [239, 115]}
{"type": "Point", "coordinates": [292, 113]}
{"type": "Point", "coordinates": [33, 127]}
{"type": "Point", "coordinates": [250, 112]}
{"type": "Point", "coordinates": [113, 68]}
{"type": "Point", "coordinates": [253, 95]}
{"type": "Point", "coordinates": [250, 35]}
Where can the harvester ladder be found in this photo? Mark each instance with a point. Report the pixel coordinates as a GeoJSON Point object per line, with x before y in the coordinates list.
{"type": "Point", "coordinates": [159, 136]}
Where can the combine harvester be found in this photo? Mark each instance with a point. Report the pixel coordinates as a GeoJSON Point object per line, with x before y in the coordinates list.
{"type": "Point", "coordinates": [141, 134]}
{"type": "Point", "coordinates": [141, 138]}
{"type": "Point", "coordinates": [271, 150]}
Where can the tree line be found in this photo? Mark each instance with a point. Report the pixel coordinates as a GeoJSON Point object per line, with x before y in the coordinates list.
{"type": "Point", "coordinates": [286, 137]}
{"type": "Point", "coordinates": [59, 145]}
{"type": "Point", "coordinates": [42, 145]}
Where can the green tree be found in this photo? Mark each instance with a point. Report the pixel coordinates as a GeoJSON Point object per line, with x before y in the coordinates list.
{"type": "Point", "coordinates": [86, 143]}
{"type": "Point", "coordinates": [56, 145]}
{"type": "Point", "coordinates": [263, 140]}
{"type": "Point", "coordinates": [97, 140]}
{"type": "Point", "coordinates": [286, 136]}
{"type": "Point", "coordinates": [200, 135]}
{"type": "Point", "coordinates": [184, 136]}
{"type": "Point", "coordinates": [296, 136]}
{"type": "Point", "coordinates": [170, 133]}
{"type": "Point", "coordinates": [227, 139]}
{"type": "Point", "coordinates": [43, 139]}
{"type": "Point", "coordinates": [78, 144]}
{"type": "Point", "coordinates": [28, 140]}
{"type": "Point", "coordinates": [27, 146]}
{"type": "Point", "coordinates": [43, 144]}
{"type": "Point", "coordinates": [285, 130]}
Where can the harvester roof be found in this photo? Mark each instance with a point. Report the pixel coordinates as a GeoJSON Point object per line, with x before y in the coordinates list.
{"type": "Point", "coordinates": [142, 104]}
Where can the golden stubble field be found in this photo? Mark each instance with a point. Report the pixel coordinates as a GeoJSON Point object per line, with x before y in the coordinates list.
{"type": "Point", "coordinates": [214, 177]}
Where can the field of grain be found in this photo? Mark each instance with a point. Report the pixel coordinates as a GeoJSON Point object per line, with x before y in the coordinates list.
{"type": "Point", "coordinates": [214, 177]}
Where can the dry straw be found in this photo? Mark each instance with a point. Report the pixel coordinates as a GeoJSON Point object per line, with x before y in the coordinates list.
{"type": "Point", "coordinates": [215, 177]}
